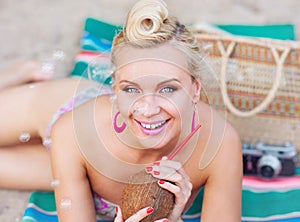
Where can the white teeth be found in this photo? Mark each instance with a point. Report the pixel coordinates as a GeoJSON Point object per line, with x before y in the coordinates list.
{"type": "Point", "coordinates": [153, 126]}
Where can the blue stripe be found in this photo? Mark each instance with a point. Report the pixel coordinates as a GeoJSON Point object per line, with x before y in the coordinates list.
{"type": "Point", "coordinates": [39, 216]}
{"type": "Point", "coordinates": [89, 42]}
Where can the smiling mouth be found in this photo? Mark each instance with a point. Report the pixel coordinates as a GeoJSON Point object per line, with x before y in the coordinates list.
{"type": "Point", "coordinates": [153, 126]}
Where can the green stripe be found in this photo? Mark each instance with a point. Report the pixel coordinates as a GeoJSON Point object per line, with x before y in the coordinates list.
{"type": "Point", "coordinates": [270, 203]}
{"type": "Point", "coordinates": [274, 31]}
{"type": "Point", "coordinates": [100, 29]}
{"type": "Point", "coordinates": [80, 69]}
{"type": "Point", "coordinates": [196, 207]}
{"type": "Point", "coordinates": [43, 200]}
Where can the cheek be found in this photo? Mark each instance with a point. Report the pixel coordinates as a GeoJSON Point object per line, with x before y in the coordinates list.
{"type": "Point", "coordinates": [184, 106]}
{"type": "Point", "coordinates": [179, 106]}
{"type": "Point", "coordinates": [125, 103]}
{"type": "Point", "coordinates": [182, 100]}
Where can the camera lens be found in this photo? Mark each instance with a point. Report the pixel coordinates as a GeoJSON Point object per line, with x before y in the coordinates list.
{"type": "Point", "coordinates": [267, 172]}
{"type": "Point", "coordinates": [268, 166]}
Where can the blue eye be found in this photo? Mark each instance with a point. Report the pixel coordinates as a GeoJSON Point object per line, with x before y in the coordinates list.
{"type": "Point", "coordinates": [167, 89]}
{"type": "Point", "coordinates": [131, 90]}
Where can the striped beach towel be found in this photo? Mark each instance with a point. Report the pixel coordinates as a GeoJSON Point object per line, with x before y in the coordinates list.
{"type": "Point", "coordinates": [41, 208]}
{"type": "Point", "coordinates": [274, 201]}
{"type": "Point", "coordinates": [97, 38]}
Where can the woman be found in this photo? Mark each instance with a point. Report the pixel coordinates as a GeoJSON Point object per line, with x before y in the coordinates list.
{"type": "Point", "coordinates": [102, 136]}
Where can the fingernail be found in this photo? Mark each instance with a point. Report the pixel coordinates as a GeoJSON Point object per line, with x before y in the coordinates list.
{"type": "Point", "coordinates": [156, 173]}
{"type": "Point", "coordinates": [149, 169]}
{"type": "Point", "coordinates": [161, 182]}
{"type": "Point", "coordinates": [150, 210]}
{"type": "Point", "coordinates": [156, 163]}
{"type": "Point", "coordinates": [116, 209]}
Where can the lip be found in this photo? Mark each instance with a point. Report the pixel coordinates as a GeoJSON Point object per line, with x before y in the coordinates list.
{"type": "Point", "coordinates": [153, 128]}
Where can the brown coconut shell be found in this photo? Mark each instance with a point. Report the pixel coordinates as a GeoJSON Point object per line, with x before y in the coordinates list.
{"type": "Point", "coordinates": [136, 196]}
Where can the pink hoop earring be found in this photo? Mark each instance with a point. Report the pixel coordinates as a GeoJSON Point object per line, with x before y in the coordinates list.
{"type": "Point", "coordinates": [194, 118]}
{"type": "Point", "coordinates": [116, 127]}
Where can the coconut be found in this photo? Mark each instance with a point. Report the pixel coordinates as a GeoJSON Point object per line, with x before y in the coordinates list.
{"type": "Point", "coordinates": [143, 191]}
{"type": "Point", "coordinates": [138, 195]}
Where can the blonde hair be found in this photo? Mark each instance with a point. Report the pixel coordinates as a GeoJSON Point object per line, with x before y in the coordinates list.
{"type": "Point", "coordinates": [148, 24]}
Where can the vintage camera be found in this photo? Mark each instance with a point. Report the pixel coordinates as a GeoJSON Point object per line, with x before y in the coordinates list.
{"type": "Point", "coordinates": [269, 161]}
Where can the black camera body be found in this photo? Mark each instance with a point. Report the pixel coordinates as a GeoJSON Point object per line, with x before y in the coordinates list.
{"type": "Point", "coordinates": [269, 161]}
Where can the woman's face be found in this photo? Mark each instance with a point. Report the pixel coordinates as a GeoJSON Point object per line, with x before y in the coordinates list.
{"type": "Point", "coordinates": [156, 100]}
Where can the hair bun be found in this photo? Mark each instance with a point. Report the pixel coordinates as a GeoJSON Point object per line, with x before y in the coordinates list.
{"type": "Point", "coordinates": [145, 19]}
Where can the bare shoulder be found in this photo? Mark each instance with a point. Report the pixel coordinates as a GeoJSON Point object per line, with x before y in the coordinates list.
{"type": "Point", "coordinates": [63, 135]}
{"type": "Point", "coordinates": [222, 141]}
{"type": "Point", "coordinates": [69, 167]}
{"type": "Point", "coordinates": [218, 142]}
{"type": "Point", "coordinates": [228, 155]}
{"type": "Point", "coordinates": [231, 140]}
{"type": "Point", "coordinates": [79, 126]}
{"type": "Point", "coordinates": [219, 146]}
{"type": "Point", "coordinates": [221, 163]}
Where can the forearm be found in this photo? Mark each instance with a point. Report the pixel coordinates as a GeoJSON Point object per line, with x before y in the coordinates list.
{"type": "Point", "coordinates": [74, 203]}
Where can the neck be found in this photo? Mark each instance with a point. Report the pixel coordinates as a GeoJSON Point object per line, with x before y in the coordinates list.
{"type": "Point", "coordinates": [139, 154]}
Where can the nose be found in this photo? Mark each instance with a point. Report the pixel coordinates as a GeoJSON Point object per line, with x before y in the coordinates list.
{"type": "Point", "coordinates": [147, 107]}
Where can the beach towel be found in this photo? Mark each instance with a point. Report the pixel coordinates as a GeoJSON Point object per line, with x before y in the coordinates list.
{"type": "Point", "coordinates": [275, 201]}
{"type": "Point", "coordinates": [98, 35]}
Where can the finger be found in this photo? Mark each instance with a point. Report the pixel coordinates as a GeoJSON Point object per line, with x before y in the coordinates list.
{"type": "Point", "coordinates": [183, 173]}
{"type": "Point", "coordinates": [162, 172]}
{"type": "Point", "coordinates": [182, 194]}
{"type": "Point", "coordinates": [162, 220]}
{"type": "Point", "coordinates": [119, 217]}
{"type": "Point", "coordinates": [140, 214]}
{"type": "Point", "coordinates": [177, 166]}
{"type": "Point", "coordinates": [168, 163]}
{"type": "Point", "coordinates": [174, 188]}
{"type": "Point", "coordinates": [167, 173]}
{"type": "Point", "coordinates": [169, 186]}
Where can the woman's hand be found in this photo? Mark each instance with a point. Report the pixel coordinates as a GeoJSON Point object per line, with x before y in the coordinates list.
{"type": "Point", "coordinates": [138, 216]}
{"type": "Point", "coordinates": [173, 178]}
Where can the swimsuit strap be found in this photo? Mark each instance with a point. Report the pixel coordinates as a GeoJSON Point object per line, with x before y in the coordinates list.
{"type": "Point", "coordinates": [77, 100]}
{"type": "Point", "coordinates": [105, 210]}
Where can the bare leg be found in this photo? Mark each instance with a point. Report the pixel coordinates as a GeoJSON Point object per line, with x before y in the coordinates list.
{"type": "Point", "coordinates": [25, 167]}
{"type": "Point", "coordinates": [30, 110]}
{"type": "Point", "coordinates": [17, 115]}
{"type": "Point", "coordinates": [23, 73]}
{"type": "Point", "coordinates": [25, 109]}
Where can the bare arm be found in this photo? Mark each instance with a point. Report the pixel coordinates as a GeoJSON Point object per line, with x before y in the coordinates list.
{"type": "Point", "coordinates": [72, 191]}
{"type": "Point", "coordinates": [222, 195]}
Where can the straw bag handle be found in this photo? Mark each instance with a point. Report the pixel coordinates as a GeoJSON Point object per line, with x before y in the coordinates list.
{"type": "Point", "coordinates": [225, 56]}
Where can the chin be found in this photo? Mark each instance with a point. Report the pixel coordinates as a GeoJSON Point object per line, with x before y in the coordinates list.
{"type": "Point", "coordinates": [153, 141]}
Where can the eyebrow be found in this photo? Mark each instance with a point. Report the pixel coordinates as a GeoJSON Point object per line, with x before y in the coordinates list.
{"type": "Point", "coordinates": [128, 82]}
{"type": "Point", "coordinates": [161, 83]}
{"type": "Point", "coordinates": [168, 80]}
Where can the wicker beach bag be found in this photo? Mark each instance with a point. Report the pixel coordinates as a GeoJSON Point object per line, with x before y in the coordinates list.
{"type": "Point", "coordinates": [259, 85]}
